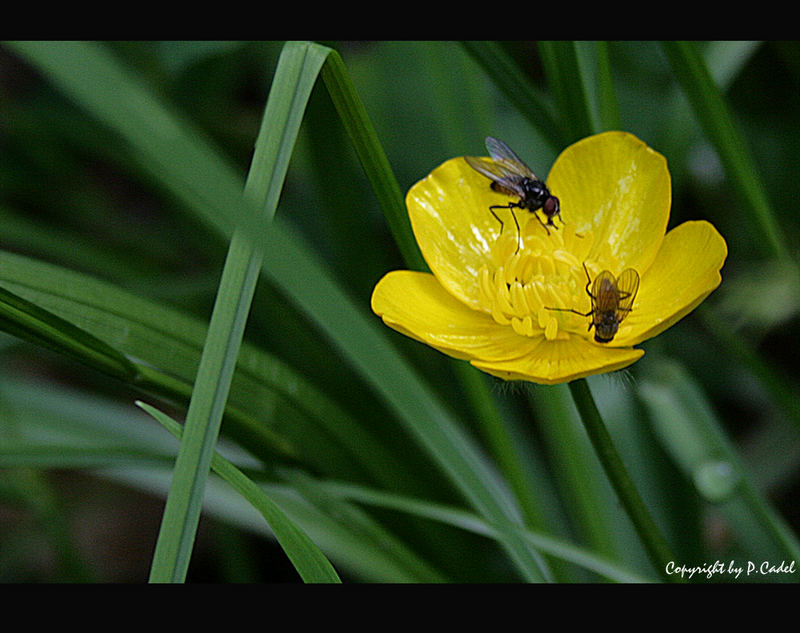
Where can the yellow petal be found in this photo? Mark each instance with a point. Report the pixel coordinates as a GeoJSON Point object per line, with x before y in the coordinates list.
{"type": "Point", "coordinates": [449, 212]}
{"type": "Point", "coordinates": [685, 271]}
{"type": "Point", "coordinates": [417, 305]}
{"type": "Point", "coordinates": [617, 187]}
{"type": "Point", "coordinates": [552, 362]}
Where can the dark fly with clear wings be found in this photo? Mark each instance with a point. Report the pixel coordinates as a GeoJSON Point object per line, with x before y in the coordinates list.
{"type": "Point", "coordinates": [612, 301]}
{"type": "Point", "coordinates": [511, 176]}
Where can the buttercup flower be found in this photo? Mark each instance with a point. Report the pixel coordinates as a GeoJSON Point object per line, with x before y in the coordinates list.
{"type": "Point", "coordinates": [492, 291]}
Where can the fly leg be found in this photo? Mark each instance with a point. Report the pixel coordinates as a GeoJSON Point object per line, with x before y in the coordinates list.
{"type": "Point", "coordinates": [497, 217]}
{"type": "Point", "coordinates": [542, 222]}
{"type": "Point", "coordinates": [589, 282]}
{"type": "Point", "coordinates": [511, 208]}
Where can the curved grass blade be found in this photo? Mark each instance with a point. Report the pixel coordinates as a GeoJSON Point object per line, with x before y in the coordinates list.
{"type": "Point", "coordinates": [59, 427]}
{"type": "Point", "coordinates": [308, 560]}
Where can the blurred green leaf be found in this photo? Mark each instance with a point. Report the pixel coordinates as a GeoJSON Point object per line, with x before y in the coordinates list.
{"type": "Point", "coordinates": [468, 521]}
{"type": "Point", "coordinates": [722, 131]}
{"type": "Point", "coordinates": [510, 79]}
{"type": "Point", "coordinates": [32, 323]}
{"type": "Point", "coordinates": [763, 297]}
{"type": "Point", "coordinates": [568, 80]}
{"type": "Point", "coordinates": [165, 144]}
{"type": "Point", "coordinates": [694, 437]}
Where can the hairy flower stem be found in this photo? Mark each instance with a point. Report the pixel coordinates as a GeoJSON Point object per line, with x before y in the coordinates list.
{"type": "Point", "coordinates": [654, 543]}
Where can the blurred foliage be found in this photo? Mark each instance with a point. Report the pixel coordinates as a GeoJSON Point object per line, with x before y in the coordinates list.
{"type": "Point", "coordinates": [71, 195]}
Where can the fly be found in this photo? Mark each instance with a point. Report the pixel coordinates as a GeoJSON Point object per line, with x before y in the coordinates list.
{"type": "Point", "coordinates": [612, 301]}
{"type": "Point", "coordinates": [511, 176]}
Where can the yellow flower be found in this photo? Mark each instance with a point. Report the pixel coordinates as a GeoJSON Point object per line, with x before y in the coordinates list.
{"type": "Point", "coordinates": [491, 294]}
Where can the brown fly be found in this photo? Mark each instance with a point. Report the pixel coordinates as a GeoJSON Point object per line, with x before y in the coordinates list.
{"type": "Point", "coordinates": [612, 301]}
{"type": "Point", "coordinates": [511, 176]}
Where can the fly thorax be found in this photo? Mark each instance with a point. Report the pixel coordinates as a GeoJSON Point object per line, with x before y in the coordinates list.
{"type": "Point", "coordinates": [536, 192]}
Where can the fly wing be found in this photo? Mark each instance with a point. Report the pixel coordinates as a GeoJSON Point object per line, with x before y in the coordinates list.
{"type": "Point", "coordinates": [605, 296]}
{"type": "Point", "coordinates": [499, 173]}
{"type": "Point", "coordinates": [628, 285]}
{"type": "Point", "coordinates": [503, 154]}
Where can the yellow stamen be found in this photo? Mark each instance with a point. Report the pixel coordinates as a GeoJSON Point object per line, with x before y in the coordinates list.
{"type": "Point", "coordinates": [521, 286]}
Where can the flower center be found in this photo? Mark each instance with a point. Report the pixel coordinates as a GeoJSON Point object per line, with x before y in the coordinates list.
{"type": "Point", "coordinates": [546, 271]}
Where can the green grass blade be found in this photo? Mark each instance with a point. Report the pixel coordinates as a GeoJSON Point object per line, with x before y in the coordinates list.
{"type": "Point", "coordinates": [370, 532]}
{"type": "Point", "coordinates": [608, 106]}
{"type": "Point", "coordinates": [471, 522]}
{"type": "Point", "coordinates": [206, 407]}
{"type": "Point", "coordinates": [373, 158]}
{"type": "Point", "coordinates": [510, 80]}
{"type": "Point", "coordinates": [165, 345]}
{"type": "Point", "coordinates": [501, 443]}
{"type": "Point", "coordinates": [30, 322]}
{"type": "Point", "coordinates": [297, 272]}
{"type": "Point", "coordinates": [579, 478]}
{"type": "Point", "coordinates": [49, 426]}
{"type": "Point", "coordinates": [308, 560]}
{"type": "Point", "coordinates": [719, 126]}
{"type": "Point", "coordinates": [294, 78]}
{"type": "Point", "coordinates": [568, 83]}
